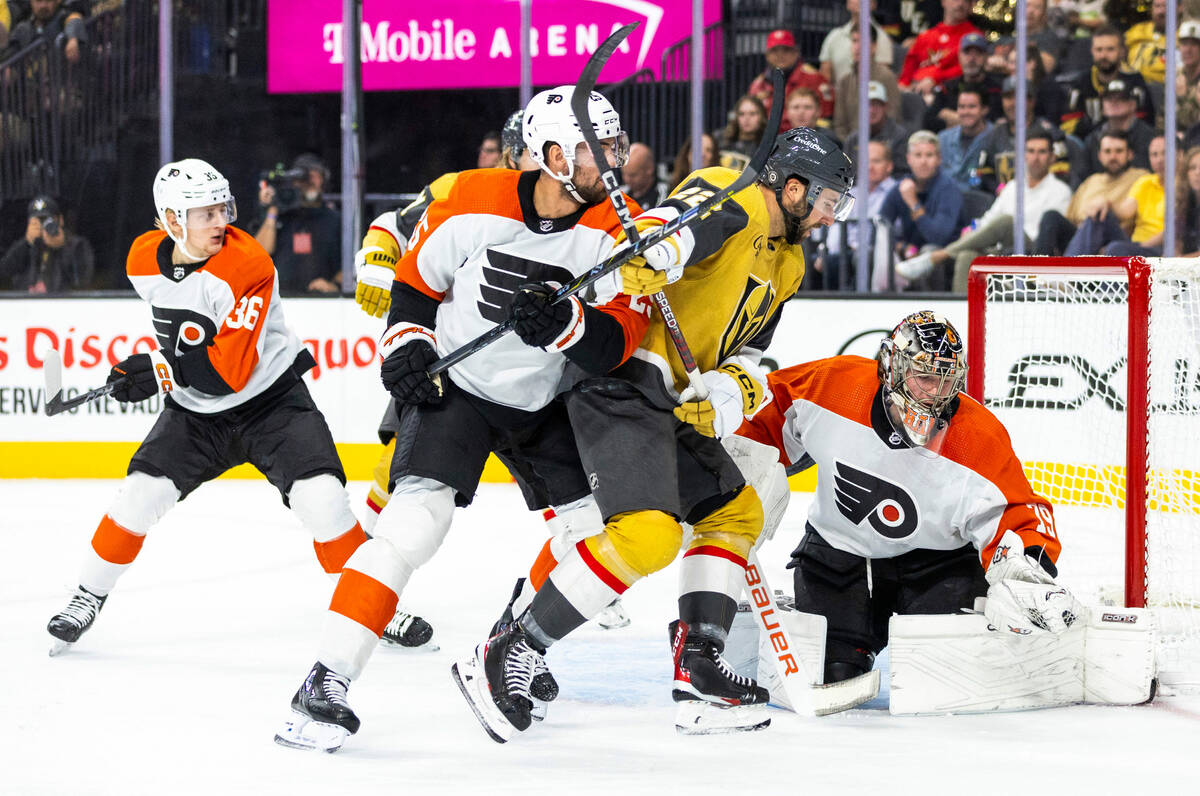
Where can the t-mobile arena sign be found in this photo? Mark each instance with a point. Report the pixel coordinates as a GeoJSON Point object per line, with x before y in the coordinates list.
{"type": "Point", "coordinates": [467, 43]}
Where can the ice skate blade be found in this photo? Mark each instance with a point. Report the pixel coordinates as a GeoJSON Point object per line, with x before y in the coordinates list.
{"type": "Point", "coordinates": [303, 732]}
{"type": "Point", "coordinates": [694, 717]}
{"type": "Point", "coordinates": [613, 617]}
{"type": "Point", "coordinates": [471, 680]}
{"type": "Point", "coordinates": [58, 646]}
{"type": "Point", "coordinates": [428, 646]}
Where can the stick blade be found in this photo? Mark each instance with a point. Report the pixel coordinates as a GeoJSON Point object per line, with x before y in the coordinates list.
{"type": "Point", "coordinates": [52, 375]}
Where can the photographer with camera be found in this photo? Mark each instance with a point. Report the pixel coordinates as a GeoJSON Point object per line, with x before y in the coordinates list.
{"type": "Point", "coordinates": [48, 259]}
{"type": "Point", "coordinates": [298, 228]}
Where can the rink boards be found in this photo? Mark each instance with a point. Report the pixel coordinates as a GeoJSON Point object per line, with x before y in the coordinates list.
{"type": "Point", "coordinates": [91, 333]}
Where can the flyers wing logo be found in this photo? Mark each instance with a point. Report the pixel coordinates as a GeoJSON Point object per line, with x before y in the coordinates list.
{"type": "Point", "coordinates": [180, 330]}
{"type": "Point", "coordinates": [751, 315]}
{"type": "Point", "coordinates": [862, 496]}
{"type": "Point", "coordinates": [504, 273]}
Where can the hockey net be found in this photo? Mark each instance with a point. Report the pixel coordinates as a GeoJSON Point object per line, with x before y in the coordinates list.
{"type": "Point", "coordinates": [1093, 365]}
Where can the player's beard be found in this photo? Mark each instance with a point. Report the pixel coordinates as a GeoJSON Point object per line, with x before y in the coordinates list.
{"type": "Point", "coordinates": [593, 192]}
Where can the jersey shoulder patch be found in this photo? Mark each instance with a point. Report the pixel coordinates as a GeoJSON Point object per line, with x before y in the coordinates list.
{"type": "Point", "coordinates": [490, 191]}
{"type": "Point", "coordinates": [844, 385]}
{"type": "Point", "coordinates": [143, 253]}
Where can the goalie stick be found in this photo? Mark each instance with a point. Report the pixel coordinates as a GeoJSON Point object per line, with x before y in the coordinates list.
{"type": "Point", "coordinates": [685, 219]}
{"type": "Point", "coordinates": [52, 374]}
{"type": "Point", "coordinates": [804, 698]}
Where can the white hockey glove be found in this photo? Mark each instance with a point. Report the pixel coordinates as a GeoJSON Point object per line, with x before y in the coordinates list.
{"type": "Point", "coordinates": [761, 468]}
{"type": "Point", "coordinates": [375, 265]}
{"type": "Point", "coordinates": [1022, 597]}
{"type": "Point", "coordinates": [733, 395]}
{"type": "Point", "coordinates": [662, 263]}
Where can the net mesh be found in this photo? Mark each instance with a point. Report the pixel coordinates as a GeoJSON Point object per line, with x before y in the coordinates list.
{"type": "Point", "coordinates": [1056, 360]}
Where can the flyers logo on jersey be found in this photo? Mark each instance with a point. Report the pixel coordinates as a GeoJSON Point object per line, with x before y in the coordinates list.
{"type": "Point", "coordinates": [504, 273]}
{"type": "Point", "coordinates": [752, 313]}
{"type": "Point", "coordinates": [180, 330]}
{"type": "Point", "coordinates": [862, 496]}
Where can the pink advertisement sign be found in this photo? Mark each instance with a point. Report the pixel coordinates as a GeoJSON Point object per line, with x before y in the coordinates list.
{"type": "Point", "coordinates": [467, 43]}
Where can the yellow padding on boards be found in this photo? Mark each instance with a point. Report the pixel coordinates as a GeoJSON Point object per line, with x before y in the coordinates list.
{"type": "Point", "coordinates": [733, 527]}
{"type": "Point", "coordinates": [111, 459]}
{"type": "Point", "coordinates": [636, 543]}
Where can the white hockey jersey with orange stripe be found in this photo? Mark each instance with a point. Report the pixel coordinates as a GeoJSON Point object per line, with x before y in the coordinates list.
{"type": "Point", "coordinates": [878, 498]}
{"type": "Point", "coordinates": [474, 248]}
{"type": "Point", "coordinates": [220, 320]}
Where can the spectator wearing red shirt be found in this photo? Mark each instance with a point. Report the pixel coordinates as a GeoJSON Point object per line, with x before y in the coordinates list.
{"type": "Point", "coordinates": [933, 57]}
{"type": "Point", "coordinates": [782, 53]}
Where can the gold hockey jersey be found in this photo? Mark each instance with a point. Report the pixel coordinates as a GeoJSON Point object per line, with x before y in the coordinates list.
{"type": "Point", "coordinates": [731, 294]}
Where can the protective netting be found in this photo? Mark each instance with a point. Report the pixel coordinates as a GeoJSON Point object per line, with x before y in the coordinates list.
{"type": "Point", "coordinates": [1056, 359]}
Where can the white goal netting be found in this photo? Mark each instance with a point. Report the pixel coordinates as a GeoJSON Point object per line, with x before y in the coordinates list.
{"type": "Point", "coordinates": [1056, 364]}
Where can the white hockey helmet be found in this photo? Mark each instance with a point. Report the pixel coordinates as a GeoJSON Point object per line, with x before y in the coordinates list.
{"type": "Point", "coordinates": [187, 184]}
{"type": "Point", "coordinates": [548, 119]}
{"type": "Point", "coordinates": [922, 367]}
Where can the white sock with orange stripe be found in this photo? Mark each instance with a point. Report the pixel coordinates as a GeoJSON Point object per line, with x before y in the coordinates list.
{"type": "Point", "coordinates": [140, 502]}
{"type": "Point", "coordinates": [363, 603]}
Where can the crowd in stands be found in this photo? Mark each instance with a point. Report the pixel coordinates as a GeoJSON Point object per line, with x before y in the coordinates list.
{"type": "Point", "coordinates": [941, 109]}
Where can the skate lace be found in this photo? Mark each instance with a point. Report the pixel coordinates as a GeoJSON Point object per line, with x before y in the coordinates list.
{"type": "Point", "coordinates": [520, 666]}
{"type": "Point", "coordinates": [81, 609]}
{"type": "Point", "coordinates": [399, 624]}
{"type": "Point", "coordinates": [335, 687]}
{"type": "Point", "coordinates": [723, 666]}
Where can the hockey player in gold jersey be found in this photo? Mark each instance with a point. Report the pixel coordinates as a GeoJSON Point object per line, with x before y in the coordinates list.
{"type": "Point", "coordinates": [649, 447]}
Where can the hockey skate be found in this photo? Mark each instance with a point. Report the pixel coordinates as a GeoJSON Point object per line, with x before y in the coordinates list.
{"type": "Point", "coordinates": [73, 621]}
{"type": "Point", "coordinates": [321, 717]}
{"type": "Point", "coordinates": [711, 698]}
{"type": "Point", "coordinates": [407, 631]}
{"type": "Point", "coordinates": [502, 680]}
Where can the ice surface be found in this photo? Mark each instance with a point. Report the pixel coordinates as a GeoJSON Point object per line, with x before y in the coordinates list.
{"type": "Point", "coordinates": [179, 687]}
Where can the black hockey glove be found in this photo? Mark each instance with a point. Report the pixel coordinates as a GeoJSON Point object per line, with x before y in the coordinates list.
{"type": "Point", "coordinates": [408, 351]}
{"type": "Point", "coordinates": [141, 376]}
{"type": "Point", "coordinates": [550, 327]}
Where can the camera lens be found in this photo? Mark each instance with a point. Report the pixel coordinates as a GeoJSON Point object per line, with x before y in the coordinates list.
{"type": "Point", "coordinates": [50, 225]}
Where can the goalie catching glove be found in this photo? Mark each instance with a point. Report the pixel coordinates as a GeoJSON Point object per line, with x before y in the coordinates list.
{"type": "Point", "coordinates": [408, 349]}
{"type": "Point", "coordinates": [662, 263]}
{"type": "Point", "coordinates": [375, 265]}
{"type": "Point", "coordinates": [550, 327]}
{"type": "Point", "coordinates": [1022, 597]}
{"type": "Point", "coordinates": [733, 395]}
{"type": "Point", "coordinates": [144, 375]}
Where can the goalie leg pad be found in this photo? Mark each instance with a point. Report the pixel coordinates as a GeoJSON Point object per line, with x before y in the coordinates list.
{"type": "Point", "coordinates": [958, 664]}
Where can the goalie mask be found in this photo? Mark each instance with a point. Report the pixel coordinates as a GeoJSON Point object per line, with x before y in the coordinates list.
{"type": "Point", "coordinates": [549, 120]}
{"type": "Point", "coordinates": [922, 367]}
{"type": "Point", "coordinates": [818, 161]}
{"type": "Point", "coordinates": [198, 196]}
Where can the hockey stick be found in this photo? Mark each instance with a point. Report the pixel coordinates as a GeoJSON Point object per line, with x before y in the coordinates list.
{"type": "Point", "coordinates": [579, 107]}
{"type": "Point", "coordinates": [685, 219]}
{"type": "Point", "coordinates": [52, 373]}
{"type": "Point", "coordinates": [805, 698]}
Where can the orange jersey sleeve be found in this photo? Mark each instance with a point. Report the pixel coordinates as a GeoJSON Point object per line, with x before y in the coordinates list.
{"type": "Point", "coordinates": [978, 440]}
{"type": "Point", "coordinates": [234, 352]}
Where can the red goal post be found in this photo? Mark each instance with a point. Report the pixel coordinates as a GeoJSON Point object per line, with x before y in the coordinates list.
{"type": "Point", "coordinates": [1093, 365]}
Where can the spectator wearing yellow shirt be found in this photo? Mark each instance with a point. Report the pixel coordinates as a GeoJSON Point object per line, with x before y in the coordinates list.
{"type": "Point", "coordinates": [1146, 43]}
{"type": "Point", "coordinates": [1145, 204]}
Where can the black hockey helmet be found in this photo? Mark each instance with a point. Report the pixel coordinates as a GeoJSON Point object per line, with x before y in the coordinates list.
{"type": "Point", "coordinates": [815, 158]}
{"type": "Point", "coordinates": [510, 135]}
